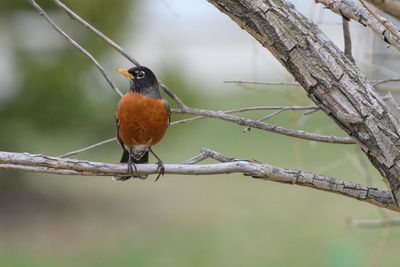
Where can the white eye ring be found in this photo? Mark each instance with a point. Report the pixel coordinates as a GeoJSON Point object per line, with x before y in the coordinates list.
{"type": "Point", "coordinates": [141, 74]}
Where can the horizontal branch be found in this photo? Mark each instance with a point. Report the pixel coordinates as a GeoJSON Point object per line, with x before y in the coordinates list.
{"type": "Point", "coordinates": [375, 223]}
{"type": "Point", "coordinates": [264, 83]}
{"type": "Point", "coordinates": [265, 126]}
{"type": "Point", "coordinates": [64, 166]}
{"type": "Point", "coordinates": [281, 108]}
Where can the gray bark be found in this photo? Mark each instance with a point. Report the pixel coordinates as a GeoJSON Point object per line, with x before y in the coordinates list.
{"type": "Point", "coordinates": [358, 13]}
{"type": "Point", "coordinates": [330, 79]}
{"type": "Point", "coordinates": [64, 166]}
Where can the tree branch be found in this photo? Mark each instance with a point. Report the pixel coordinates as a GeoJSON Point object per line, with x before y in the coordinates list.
{"type": "Point", "coordinates": [379, 19]}
{"type": "Point", "coordinates": [335, 85]}
{"type": "Point", "coordinates": [375, 223]}
{"type": "Point", "coordinates": [391, 7]}
{"type": "Point", "coordinates": [265, 126]}
{"type": "Point", "coordinates": [63, 166]}
{"type": "Point", "coordinates": [76, 45]}
{"type": "Point", "coordinates": [347, 39]}
{"type": "Point", "coordinates": [350, 10]}
{"type": "Point", "coordinates": [114, 45]}
{"type": "Point", "coordinates": [264, 83]}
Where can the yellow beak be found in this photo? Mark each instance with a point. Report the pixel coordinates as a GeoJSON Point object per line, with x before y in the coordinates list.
{"type": "Point", "coordinates": [126, 73]}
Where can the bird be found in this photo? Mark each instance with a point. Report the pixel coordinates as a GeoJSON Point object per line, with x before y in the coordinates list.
{"type": "Point", "coordinates": [141, 120]}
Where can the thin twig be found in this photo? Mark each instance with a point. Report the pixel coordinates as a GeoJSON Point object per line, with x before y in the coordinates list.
{"type": "Point", "coordinates": [264, 83]}
{"type": "Point", "coordinates": [379, 19]}
{"type": "Point", "coordinates": [206, 153]}
{"type": "Point", "coordinates": [266, 118]}
{"type": "Point", "coordinates": [378, 82]}
{"type": "Point", "coordinates": [63, 166]}
{"type": "Point", "coordinates": [88, 148]}
{"type": "Point", "coordinates": [165, 2]}
{"type": "Point", "coordinates": [76, 45]}
{"type": "Point", "coordinates": [362, 167]}
{"type": "Point", "coordinates": [74, 16]}
{"type": "Point", "coordinates": [311, 112]}
{"type": "Point", "coordinates": [375, 223]}
{"type": "Point", "coordinates": [347, 39]}
{"type": "Point", "coordinates": [267, 126]}
{"type": "Point", "coordinates": [311, 108]}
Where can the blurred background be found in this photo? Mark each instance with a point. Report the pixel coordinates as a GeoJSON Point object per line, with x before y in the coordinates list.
{"type": "Point", "coordinates": [53, 100]}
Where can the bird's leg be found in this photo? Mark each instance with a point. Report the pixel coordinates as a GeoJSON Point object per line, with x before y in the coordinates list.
{"type": "Point", "coordinates": [160, 167]}
{"type": "Point", "coordinates": [131, 166]}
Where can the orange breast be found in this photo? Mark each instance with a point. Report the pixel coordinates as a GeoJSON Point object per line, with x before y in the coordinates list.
{"type": "Point", "coordinates": [142, 120]}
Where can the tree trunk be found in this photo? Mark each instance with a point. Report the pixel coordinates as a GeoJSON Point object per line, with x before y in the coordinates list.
{"type": "Point", "coordinates": [330, 79]}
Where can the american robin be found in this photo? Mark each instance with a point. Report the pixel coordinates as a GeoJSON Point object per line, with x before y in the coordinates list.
{"type": "Point", "coordinates": [141, 120]}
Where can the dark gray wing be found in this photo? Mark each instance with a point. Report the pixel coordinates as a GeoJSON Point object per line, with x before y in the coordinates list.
{"type": "Point", "coordinates": [166, 105]}
{"type": "Point", "coordinates": [117, 130]}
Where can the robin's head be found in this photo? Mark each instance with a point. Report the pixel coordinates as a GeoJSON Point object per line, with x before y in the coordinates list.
{"type": "Point", "coordinates": [142, 80]}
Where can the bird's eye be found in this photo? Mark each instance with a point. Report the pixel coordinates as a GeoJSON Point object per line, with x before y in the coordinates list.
{"type": "Point", "coordinates": [140, 74]}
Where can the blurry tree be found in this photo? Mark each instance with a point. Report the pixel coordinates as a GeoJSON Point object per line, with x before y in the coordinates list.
{"type": "Point", "coordinates": [50, 98]}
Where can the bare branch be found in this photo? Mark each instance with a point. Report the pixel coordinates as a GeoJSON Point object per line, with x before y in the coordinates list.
{"type": "Point", "coordinates": [74, 16]}
{"type": "Point", "coordinates": [264, 83]}
{"type": "Point", "coordinates": [266, 118]}
{"type": "Point", "coordinates": [88, 148]}
{"type": "Point", "coordinates": [347, 39]}
{"type": "Point", "coordinates": [379, 82]}
{"type": "Point", "coordinates": [350, 10]}
{"type": "Point", "coordinates": [311, 108]}
{"type": "Point", "coordinates": [391, 7]}
{"type": "Point", "coordinates": [265, 126]}
{"type": "Point", "coordinates": [208, 153]}
{"type": "Point", "coordinates": [380, 20]}
{"type": "Point", "coordinates": [63, 166]}
{"type": "Point", "coordinates": [76, 45]}
{"type": "Point", "coordinates": [375, 223]}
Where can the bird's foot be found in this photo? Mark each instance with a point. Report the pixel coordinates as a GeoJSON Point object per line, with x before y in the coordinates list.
{"type": "Point", "coordinates": [132, 168]}
{"type": "Point", "coordinates": [160, 169]}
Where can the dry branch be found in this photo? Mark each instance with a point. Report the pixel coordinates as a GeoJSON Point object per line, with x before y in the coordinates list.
{"type": "Point", "coordinates": [350, 10]}
{"type": "Point", "coordinates": [335, 84]}
{"type": "Point", "coordinates": [76, 45]}
{"type": "Point", "coordinates": [65, 166]}
{"type": "Point", "coordinates": [347, 39]}
{"type": "Point", "coordinates": [392, 7]}
{"type": "Point", "coordinates": [265, 126]}
{"type": "Point", "coordinates": [375, 223]}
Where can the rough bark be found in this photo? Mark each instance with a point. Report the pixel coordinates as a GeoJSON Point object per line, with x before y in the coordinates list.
{"type": "Point", "coordinates": [351, 10]}
{"type": "Point", "coordinates": [64, 166]}
{"type": "Point", "coordinates": [334, 83]}
{"type": "Point", "coordinates": [392, 7]}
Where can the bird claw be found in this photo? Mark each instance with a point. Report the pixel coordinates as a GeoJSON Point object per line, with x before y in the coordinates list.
{"type": "Point", "coordinates": [160, 169]}
{"type": "Point", "coordinates": [132, 168]}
